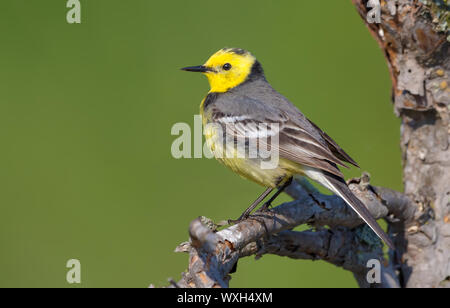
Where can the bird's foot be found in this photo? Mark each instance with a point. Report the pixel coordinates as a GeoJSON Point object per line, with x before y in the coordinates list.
{"type": "Point", "coordinates": [236, 221]}
{"type": "Point", "coordinates": [265, 207]}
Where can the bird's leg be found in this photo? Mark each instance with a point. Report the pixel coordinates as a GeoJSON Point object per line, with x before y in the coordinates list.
{"type": "Point", "coordinates": [252, 206]}
{"type": "Point", "coordinates": [266, 205]}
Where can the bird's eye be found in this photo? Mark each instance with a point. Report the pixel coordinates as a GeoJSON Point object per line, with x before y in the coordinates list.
{"type": "Point", "coordinates": [226, 66]}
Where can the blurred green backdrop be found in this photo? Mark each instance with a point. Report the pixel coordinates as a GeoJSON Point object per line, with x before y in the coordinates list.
{"type": "Point", "coordinates": [85, 116]}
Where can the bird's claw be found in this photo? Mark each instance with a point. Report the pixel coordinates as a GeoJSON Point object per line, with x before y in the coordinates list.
{"type": "Point", "coordinates": [265, 207]}
{"type": "Point", "coordinates": [236, 221]}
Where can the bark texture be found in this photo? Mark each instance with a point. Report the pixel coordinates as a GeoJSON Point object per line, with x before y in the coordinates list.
{"type": "Point", "coordinates": [415, 40]}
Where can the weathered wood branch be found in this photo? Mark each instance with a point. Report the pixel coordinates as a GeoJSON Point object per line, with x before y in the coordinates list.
{"type": "Point", "coordinates": [347, 243]}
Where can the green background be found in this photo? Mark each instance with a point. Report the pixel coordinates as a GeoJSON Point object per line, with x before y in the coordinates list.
{"type": "Point", "coordinates": [86, 111]}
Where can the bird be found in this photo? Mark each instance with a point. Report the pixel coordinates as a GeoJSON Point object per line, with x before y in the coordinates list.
{"type": "Point", "coordinates": [240, 105]}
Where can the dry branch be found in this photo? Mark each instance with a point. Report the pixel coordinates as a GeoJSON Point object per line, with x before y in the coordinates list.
{"type": "Point", "coordinates": [347, 242]}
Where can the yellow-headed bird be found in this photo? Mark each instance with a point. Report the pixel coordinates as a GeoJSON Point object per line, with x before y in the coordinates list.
{"type": "Point", "coordinates": [243, 104]}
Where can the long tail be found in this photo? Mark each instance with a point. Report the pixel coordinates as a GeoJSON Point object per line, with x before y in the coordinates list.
{"type": "Point", "coordinates": [340, 188]}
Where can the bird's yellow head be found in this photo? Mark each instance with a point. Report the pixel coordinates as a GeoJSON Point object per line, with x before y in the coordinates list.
{"type": "Point", "coordinates": [228, 68]}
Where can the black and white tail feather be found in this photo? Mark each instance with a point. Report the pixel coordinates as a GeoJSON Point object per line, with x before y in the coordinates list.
{"type": "Point", "coordinates": [338, 186]}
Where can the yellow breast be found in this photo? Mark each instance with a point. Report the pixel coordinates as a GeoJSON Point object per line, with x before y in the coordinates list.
{"type": "Point", "coordinates": [249, 168]}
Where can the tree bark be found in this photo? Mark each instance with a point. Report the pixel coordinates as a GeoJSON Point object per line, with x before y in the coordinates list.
{"type": "Point", "coordinates": [415, 41]}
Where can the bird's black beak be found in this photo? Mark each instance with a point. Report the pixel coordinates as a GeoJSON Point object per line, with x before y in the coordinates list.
{"type": "Point", "coordinates": [199, 69]}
